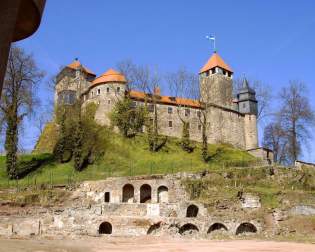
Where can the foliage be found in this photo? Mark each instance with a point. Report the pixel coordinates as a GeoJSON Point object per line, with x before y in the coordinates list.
{"type": "Point", "coordinates": [79, 138]}
{"type": "Point", "coordinates": [127, 118]}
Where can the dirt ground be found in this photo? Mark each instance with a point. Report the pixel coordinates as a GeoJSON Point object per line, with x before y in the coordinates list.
{"type": "Point", "coordinates": [149, 244]}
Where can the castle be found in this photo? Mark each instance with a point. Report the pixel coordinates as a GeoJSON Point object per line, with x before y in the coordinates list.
{"type": "Point", "coordinates": [231, 120]}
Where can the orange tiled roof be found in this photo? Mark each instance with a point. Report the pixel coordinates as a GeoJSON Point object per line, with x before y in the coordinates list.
{"type": "Point", "coordinates": [166, 99]}
{"type": "Point", "coordinates": [110, 76]}
{"type": "Point", "coordinates": [214, 61]}
{"type": "Point", "coordinates": [76, 64]}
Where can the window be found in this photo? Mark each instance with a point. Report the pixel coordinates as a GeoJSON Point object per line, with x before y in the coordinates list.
{"type": "Point", "coordinates": [170, 124]}
{"type": "Point", "coordinates": [98, 91]}
{"type": "Point", "coordinates": [107, 90]}
{"type": "Point", "coordinates": [199, 127]}
{"type": "Point", "coordinates": [134, 104]}
{"type": "Point", "coordinates": [151, 108]}
{"type": "Point", "coordinates": [187, 112]}
{"type": "Point", "coordinates": [108, 102]}
{"type": "Point", "coordinates": [213, 71]}
{"type": "Point", "coordinates": [151, 121]}
{"type": "Point", "coordinates": [199, 114]}
{"type": "Point", "coordinates": [107, 197]}
{"type": "Point", "coordinates": [170, 110]}
{"type": "Point", "coordinates": [118, 89]}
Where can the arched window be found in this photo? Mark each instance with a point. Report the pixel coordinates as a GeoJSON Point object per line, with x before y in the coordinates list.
{"type": "Point", "coordinates": [162, 194]}
{"type": "Point", "coordinates": [192, 211]}
{"type": "Point", "coordinates": [105, 228]}
{"type": "Point", "coordinates": [246, 228]}
{"type": "Point", "coordinates": [128, 192]}
{"type": "Point", "coordinates": [217, 227]}
{"type": "Point", "coordinates": [145, 193]}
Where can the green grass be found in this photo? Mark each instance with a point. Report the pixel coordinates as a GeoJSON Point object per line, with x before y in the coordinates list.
{"type": "Point", "coordinates": [130, 157]}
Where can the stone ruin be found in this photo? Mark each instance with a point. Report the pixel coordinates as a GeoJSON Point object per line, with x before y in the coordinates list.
{"type": "Point", "coordinates": [129, 206]}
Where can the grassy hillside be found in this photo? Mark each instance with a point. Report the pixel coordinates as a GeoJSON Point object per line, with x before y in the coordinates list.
{"type": "Point", "coordinates": [128, 157]}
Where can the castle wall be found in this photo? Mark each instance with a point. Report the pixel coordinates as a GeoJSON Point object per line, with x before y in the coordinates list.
{"type": "Point", "coordinates": [250, 131]}
{"type": "Point", "coordinates": [225, 126]}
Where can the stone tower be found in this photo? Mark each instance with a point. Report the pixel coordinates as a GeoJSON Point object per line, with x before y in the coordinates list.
{"type": "Point", "coordinates": [247, 104]}
{"type": "Point", "coordinates": [105, 91]}
{"type": "Point", "coordinates": [216, 82]}
{"type": "Point", "coordinates": [71, 82]}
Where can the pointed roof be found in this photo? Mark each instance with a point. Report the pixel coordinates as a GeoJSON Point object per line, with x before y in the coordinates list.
{"type": "Point", "coordinates": [76, 64]}
{"type": "Point", "coordinates": [110, 76]}
{"type": "Point", "coordinates": [246, 88]}
{"type": "Point", "coordinates": [215, 61]}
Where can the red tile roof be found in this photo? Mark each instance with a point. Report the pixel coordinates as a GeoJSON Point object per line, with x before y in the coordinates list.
{"type": "Point", "coordinates": [166, 99]}
{"type": "Point", "coordinates": [76, 64]}
{"type": "Point", "coordinates": [110, 76]}
{"type": "Point", "coordinates": [215, 61]}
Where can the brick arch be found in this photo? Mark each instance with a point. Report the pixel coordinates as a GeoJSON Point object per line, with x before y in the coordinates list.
{"type": "Point", "coordinates": [246, 227]}
{"type": "Point", "coordinates": [145, 193]}
{"type": "Point", "coordinates": [105, 228]}
{"type": "Point", "coordinates": [192, 211]}
{"type": "Point", "coordinates": [128, 193]}
{"type": "Point", "coordinates": [162, 194]}
{"type": "Point", "coordinates": [188, 228]}
{"type": "Point", "coordinates": [217, 226]}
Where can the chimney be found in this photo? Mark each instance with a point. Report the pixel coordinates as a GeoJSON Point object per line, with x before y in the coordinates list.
{"type": "Point", "coordinates": [157, 91]}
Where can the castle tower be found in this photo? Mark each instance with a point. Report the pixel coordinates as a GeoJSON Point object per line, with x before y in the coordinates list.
{"type": "Point", "coordinates": [106, 90]}
{"type": "Point", "coordinates": [216, 82]}
{"type": "Point", "coordinates": [71, 82]}
{"type": "Point", "coordinates": [247, 104]}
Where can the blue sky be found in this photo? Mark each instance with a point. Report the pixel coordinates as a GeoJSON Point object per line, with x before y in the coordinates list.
{"type": "Point", "coordinates": [272, 41]}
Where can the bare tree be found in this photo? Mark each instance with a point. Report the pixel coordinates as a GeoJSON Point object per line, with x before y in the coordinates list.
{"type": "Point", "coordinates": [18, 100]}
{"type": "Point", "coordinates": [276, 140]}
{"type": "Point", "coordinates": [296, 117]}
{"type": "Point", "coordinates": [147, 80]}
{"type": "Point", "coordinates": [181, 84]}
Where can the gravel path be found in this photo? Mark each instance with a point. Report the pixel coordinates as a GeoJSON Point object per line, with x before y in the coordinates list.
{"type": "Point", "coordinates": [149, 244]}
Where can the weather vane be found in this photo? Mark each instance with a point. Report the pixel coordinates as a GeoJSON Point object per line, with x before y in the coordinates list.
{"type": "Point", "coordinates": [212, 38]}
